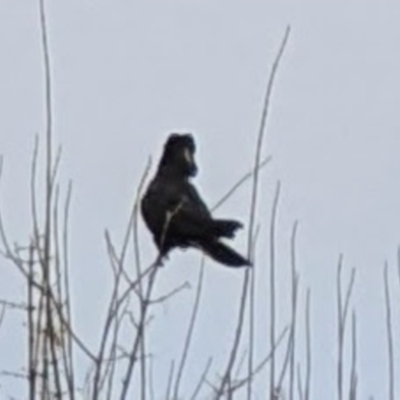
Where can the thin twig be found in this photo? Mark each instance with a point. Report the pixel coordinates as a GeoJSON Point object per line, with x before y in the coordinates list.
{"type": "Point", "coordinates": [254, 196]}
{"type": "Point", "coordinates": [308, 347]}
{"type": "Point", "coordinates": [240, 182]}
{"type": "Point", "coordinates": [342, 317]}
{"type": "Point", "coordinates": [50, 332]}
{"type": "Point", "coordinates": [143, 304]}
{"type": "Point", "coordinates": [112, 313]}
{"type": "Point", "coordinates": [69, 343]}
{"type": "Point", "coordinates": [136, 248]}
{"type": "Point", "coordinates": [238, 333]}
{"type": "Point", "coordinates": [116, 299]}
{"type": "Point", "coordinates": [223, 199]}
{"type": "Point", "coordinates": [353, 369]}
{"type": "Point", "coordinates": [252, 296]}
{"type": "Point", "coordinates": [31, 333]}
{"type": "Point", "coordinates": [190, 330]}
{"type": "Point", "coordinates": [263, 363]}
{"type": "Point", "coordinates": [299, 385]}
{"type": "Point", "coordinates": [170, 380]}
{"type": "Point", "coordinates": [295, 283]}
{"type": "Point", "coordinates": [172, 293]}
{"type": "Point", "coordinates": [201, 380]}
{"type": "Point", "coordinates": [340, 330]}
{"type": "Point", "coordinates": [136, 342]}
{"type": "Point", "coordinates": [151, 379]}
{"type": "Point", "coordinates": [35, 221]}
{"type": "Point", "coordinates": [253, 207]}
{"type": "Point", "coordinates": [272, 289]}
{"type": "Point", "coordinates": [389, 334]}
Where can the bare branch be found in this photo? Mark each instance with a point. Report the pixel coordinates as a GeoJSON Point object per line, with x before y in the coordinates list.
{"type": "Point", "coordinates": [190, 330]}
{"type": "Point", "coordinates": [308, 346]}
{"type": "Point", "coordinates": [272, 288]}
{"type": "Point", "coordinates": [342, 317]}
{"type": "Point", "coordinates": [136, 249]}
{"type": "Point", "coordinates": [240, 182]}
{"type": "Point", "coordinates": [299, 384]}
{"type": "Point", "coordinates": [263, 363]}
{"type": "Point", "coordinates": [253, 208]}
{"type": "Point", "coordinates": [353, 369]}
{"type": "Point", "coordinates": [295, 283]}
{"type": "Point", "coordinates": [389, 334]}
{"type": "Point", "coordinates": [165, 297]}
{"type": "Point", "coordinates": [202, 380]}
{"type": "Point", "coordinates": [69, 344]}
{"type": "Point", "coordinates": [170, 380]}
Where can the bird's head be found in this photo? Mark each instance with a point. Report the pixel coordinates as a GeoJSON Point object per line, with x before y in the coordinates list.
{"type": "Point", "coordinates": [178, 155]}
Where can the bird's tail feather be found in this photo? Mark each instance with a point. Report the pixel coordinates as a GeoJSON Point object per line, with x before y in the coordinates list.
{"type": "Point", "coordinates": [224, 254]}
{"type": "Point", "coordinates": [225, 227]}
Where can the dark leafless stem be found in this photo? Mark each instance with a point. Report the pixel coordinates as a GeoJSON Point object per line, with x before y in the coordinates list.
{"type": "Point", "coordinates": [63, 299]}
{"type": "Point", "coordinates": [170, 380]}
{"type": "Point", "coordinates": [112, 313]}
{"type": "Point", "coordinates": [308, 346]}
{"type": "Point", "coordinates": [238, 334]}
{"type": "Point", "coordinates": [295, 281]}
{"type": "Point", "coordinates": [353, 369]}
{"type": "Point", "coordinates": [202, 380]}
{"type": "Point", "coordinates": [136, 343]}
{"type": "Point", "coordinates": [63, 335]}
{"type": "Point", "coordinates": [35, 221]}
{"type": "Point", "coordinates": [223, 199]}
{"type": "Point", "coordinates": [289, 352]}
{"type": "Point", "coordinates": [65, 324]}
{"type": "Point", "coordinates": [240, 364]}
{"type": "Point", "coordinates": [262, 130]}
{"type": "Point", "coordinates": [389, 334]}
{"type": "Point", "coordinates": [136, 248]}
{"type": "Point", "coordinates": [299, 384]}
{"type": "Point", "coordinates": [116, 299]}
{"type": "Point", "coordinates": [253, 208]}
{"type": "Point", "coordinates": [69, 343]}
{"type": "Point", "coordinates": [342, 317]}
{"type": "Point", "coordinates": [189, 334]}
{"type": "Point", "coordinates": [31, 332]}
{"type": "Point", "coordinates": [172, 293]}
{"type": "Point", "coordinates": [50, 332]}
{"type": "Point", "coordinates": [272, 288]}
{"type": "Point", "coordinates": [251, 332]}
{"type": "Point", "coordinates": [262, 364]}
{"type": "Point", "coordinates": [151, 379]}
{"type": "Point", "coordinates": [240, 182]}
{"type": "Point", "coordinates": [112, 364]}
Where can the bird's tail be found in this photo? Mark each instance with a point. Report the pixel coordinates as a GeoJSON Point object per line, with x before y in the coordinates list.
{"type": "Point", "coordinates": [225, 227]}
{"type": "Point", "coordinates": [224, 254]}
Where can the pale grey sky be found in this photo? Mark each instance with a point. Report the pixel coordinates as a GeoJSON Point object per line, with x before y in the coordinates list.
{"type": "Point", "coordinates": [125, 73]}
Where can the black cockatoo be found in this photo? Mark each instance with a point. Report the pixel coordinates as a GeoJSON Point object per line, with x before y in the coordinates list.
{"type": "Point", "coordinates": [176, 215]}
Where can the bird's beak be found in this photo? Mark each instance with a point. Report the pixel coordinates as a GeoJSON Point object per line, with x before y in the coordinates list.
{"type": "Point", "coordinates": [188, 155]}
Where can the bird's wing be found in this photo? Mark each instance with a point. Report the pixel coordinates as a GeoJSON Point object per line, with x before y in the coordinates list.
{"type": "Point", "coordinates": [195, 201]}
{"type": "Point", "coordinates": [186, 215]}
{"type": "Point", "coordinates": [175, 204]}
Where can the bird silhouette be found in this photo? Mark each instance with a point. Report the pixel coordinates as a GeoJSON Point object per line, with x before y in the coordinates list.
{"type": "Point", "coordinates": [175, 213]}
